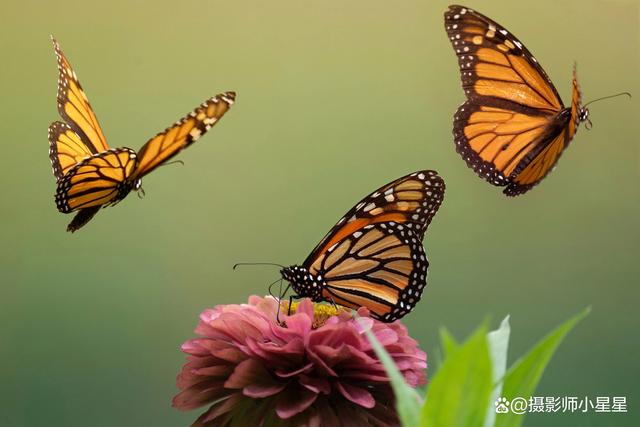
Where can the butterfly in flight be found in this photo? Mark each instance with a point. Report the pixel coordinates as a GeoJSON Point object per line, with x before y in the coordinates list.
{"type": "Point", "coordinates": [89, 174]}
{"type": "Point", "coordinates": [373, 257]}
{"type": "Point", "coordinates": [513, 127]}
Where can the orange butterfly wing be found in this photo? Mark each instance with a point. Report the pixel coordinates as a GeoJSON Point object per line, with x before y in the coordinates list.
{"type": "Point", "coordinates": [185, 132]}
{"type": "Point", "coordinates": [74, 106]}
{"type": "Point", "coordinates": [576, 107]}
{"type": "Point", "coordinates": [66, 149]}
{"type": "Point", "coordinates": [513, 127]}
{"type": "Point", "coordinates": [382, 266]}
{"type": "Point", "coordinates": [413, 199]}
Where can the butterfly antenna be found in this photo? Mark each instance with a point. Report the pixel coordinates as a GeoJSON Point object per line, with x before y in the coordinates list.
{"type": "Point", "coordinates": [607, 97]}
{"type": "Point", "coordinates": [257, 263]}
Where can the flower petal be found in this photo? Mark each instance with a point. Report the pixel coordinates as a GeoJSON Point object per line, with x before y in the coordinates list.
{"type": "Point", "coordinates": [288, 354]}
{"type": "Point", "coordinates": [294, 400]}
{"type": "Point", "coordinates": [320, 366]}
{"type": "Point", "coordinates": [218, 409]}
{"type": "Point", "coordinates": [306, 307]}
{"type": "Point", "coordinates": [299, 323]}
{"type": "Point", "coordinates": [215, 371]}
{"type": "Point", "coordinates": [253, 378]}
{"type": "Point", "coordinates": [316, 385]}
{"type": "Point", "coordinates": [283, 373]}
{"type": "Point", "coordinates": [336, 335]}
{"type": "Point", "coordinates": [386, 337]}
{"type": "Point", "coordinates": [199, 394]}
{"type": "Point", "coordinates": [357, 395]}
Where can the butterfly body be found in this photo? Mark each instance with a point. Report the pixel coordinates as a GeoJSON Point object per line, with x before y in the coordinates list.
{"type": "Point", "coordinates": [514, 126]}
{"type": "Point", "coordinates": [90, 174]}
{"type": "Point", "coordinates": [373, 257]}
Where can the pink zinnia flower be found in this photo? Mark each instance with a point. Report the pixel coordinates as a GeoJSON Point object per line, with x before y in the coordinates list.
{"type": "Point", "coordinates": [315, 368]}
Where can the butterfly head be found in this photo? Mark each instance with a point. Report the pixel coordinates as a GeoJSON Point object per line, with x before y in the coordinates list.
{"type": "Point", "coordinates": [583, 116]}
{"type": "Point", "coordinates": [304, 283]}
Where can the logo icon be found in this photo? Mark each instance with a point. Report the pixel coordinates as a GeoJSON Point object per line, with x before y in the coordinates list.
{"type": "Point", "coordinates": [502, 405]}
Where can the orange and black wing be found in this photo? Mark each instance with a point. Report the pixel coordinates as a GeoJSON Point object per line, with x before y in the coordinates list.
{"type": "Point", "coordinates": [374, 257]}
{"type": "Point", "coordinates": [576, 107]}
{"type": "Point", "coordinates": [74, 108]}
{"type": "Point", "coordinates": [382, 266]}
{"type": "Point", "coordinates": [412, 200]}
{"type": "Point", "coordinates": [100, 180]}
{"type": "Point", "coordinates": [185, 132]}
{"type": "Point", "coordinates": [66, 149]}
{"type": "Point", "coordinates": [513, 112]}
{"type": "Point", "coordinates": [495, 64]}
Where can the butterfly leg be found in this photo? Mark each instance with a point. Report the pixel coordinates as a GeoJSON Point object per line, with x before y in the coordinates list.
{"type": "Point", "coordinates": [279, 292]}
{"type": "Point", "coordinates": [333, 303]}
{"type": "Point", "coordinates": [290, 302]}
{"type": "Point", "coordinates": [291, 298]}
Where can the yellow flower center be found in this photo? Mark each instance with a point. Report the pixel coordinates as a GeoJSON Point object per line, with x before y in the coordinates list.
{"type": "Point", "coordinates": [321, 312]}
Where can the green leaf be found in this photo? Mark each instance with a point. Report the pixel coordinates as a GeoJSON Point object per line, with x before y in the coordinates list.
{"type": "Point", "coordinates": [459, 393]}
{"type": "Point", "coordinates": [498, 346]}
{"type": "Point", "coordinates": [522, 378]}
{"type": "Point", "coordinates": [408, 401]}
{"type": "Point", "coordinates": [449, 343]}
{"type": "Point", "coordinates": [447, 347]}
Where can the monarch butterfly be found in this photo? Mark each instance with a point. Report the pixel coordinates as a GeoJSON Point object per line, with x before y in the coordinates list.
{"type": "Point", "coordinates": [373, 257]}
{"type": "Point", "coordinates": [89, 174]}
{"type": "Point", "coordinates": [513, 127]}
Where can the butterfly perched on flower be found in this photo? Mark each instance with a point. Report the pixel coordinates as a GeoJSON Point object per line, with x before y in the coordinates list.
{"type": "Point", "coordinates": [373, 257]}
{"type": "Point", "coordinates": [513, 127]}
{"type": "Point", "coordinates": [89, 174]}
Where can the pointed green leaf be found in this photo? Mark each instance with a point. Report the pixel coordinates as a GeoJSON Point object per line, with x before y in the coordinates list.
{"type": "Point", "coordinates": [459, 393]}
{"type": "Point", "coordinates": [449, 343]}
{"type": "Point", "coordinates": [498, 346]}
{"type": "Point", "coordinates": [523, 376]}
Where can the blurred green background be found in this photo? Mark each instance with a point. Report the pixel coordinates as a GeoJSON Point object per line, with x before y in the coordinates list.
{"type": "Point", "coordinates": [334, 99]}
